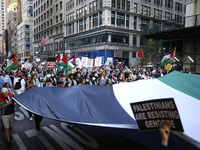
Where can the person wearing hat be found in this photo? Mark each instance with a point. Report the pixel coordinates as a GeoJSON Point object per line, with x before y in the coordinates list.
{"type": "Point", "coordinates": [7, 112]}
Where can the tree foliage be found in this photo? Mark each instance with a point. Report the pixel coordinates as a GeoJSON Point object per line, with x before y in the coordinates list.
{"type": "Point", "coordinates": [151, 53]}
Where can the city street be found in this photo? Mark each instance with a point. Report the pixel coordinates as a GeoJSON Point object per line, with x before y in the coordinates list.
{"type": "Point", "coordinates": [55, 135]}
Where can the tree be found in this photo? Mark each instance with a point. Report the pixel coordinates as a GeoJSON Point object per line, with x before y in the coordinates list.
{"type": "Point", "coordinates": [151, 53]}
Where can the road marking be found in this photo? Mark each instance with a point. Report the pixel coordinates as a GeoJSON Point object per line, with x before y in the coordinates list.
{"type": "Point", "coordinates": [24, 111]}
{"type": "Point", "coordinates": [33, 133]}
{"type": "Point", "coordinates": [61, 138]}
{"type": "Point", "coordinates": [19, 116]}
{"type": "Point", "coordinates": [19, 142]}
{"type": "Point", "coordinates": [89, 142]}
{"type": "Point", "coordinates": [46, 143]}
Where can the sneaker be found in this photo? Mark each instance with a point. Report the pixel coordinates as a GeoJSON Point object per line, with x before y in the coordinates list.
{"type": "Point", "coordinates": [31, 118]}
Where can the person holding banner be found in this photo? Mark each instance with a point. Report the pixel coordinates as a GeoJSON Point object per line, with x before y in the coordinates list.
{"type": "Point", "coordinates": [92, 80]}
{"type": "Point", "coordinates": [165, 132]}
{"type": "Point", "coordinates": [7, 111]}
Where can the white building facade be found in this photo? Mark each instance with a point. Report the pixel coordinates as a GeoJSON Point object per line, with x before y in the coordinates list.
{"type": "Point", "coordinates": [25, 31]}
{"type": "Point", "coordinates": [24, 40]}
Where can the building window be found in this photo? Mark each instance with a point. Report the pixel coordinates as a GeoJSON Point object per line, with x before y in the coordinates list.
{"type": "Point", "coordinates": [94, 6]}
{"type": "Point", "coordinates": [80, 12]}
{"type": "Point", "coordinates": [81, 25]}
{"type": "Point", "coordinates": [90, 23]}
{"type": "Point", "coordinates": [85, 24]}
{"type": "Point", "coordinates": [56, 46]}
{"type": "Point", "coordinates": [178, 19]}
{"type": "Point", "coordinates": [178, 6]}
{"type": "Point", "coordinates": [135, 8]}
{"type": "Point", "coordinates": [158, 2]}
{"type": "Point", "coordinates": [95, 20]}
{"type": "Point", "coordinates": [77, 14]}
{"type": "Point", "coordinates": [100, 18]}
{"type": "Point", "coordinates": [128, 6]}
{"type": "Point", "coordinates": [169, 3]}
{"type": "Point", "coordinates": [120, 19]}
{"type": "Point", "coordinates": [56, 19]}
{"type": "Point", "coordinates": [91, 6]}
{"type": "Point", "coordinates": [168, 16]}
{"type": "Point", "coordinates": [127, 21]}
{"type": "Point", "coordinates": [61, 28]}
{"type": "Point", "coordinates": [157, 13]}
{"type": "Point", "coordinates": [134, 40]}
{"type": "Point", "coordinates": [113, 18]}
{"type": "Point", "coordinates": [60, 5]}
{"type": "Point", "coordinates": [118, 4]}
{"type": "Point", "coordinates": [60, 17]}
{"type": "Point", "coordinates": [57, 8]}
{"type": "Point", "coordinates": [123, 4]}
{"type": "Point", "coordinates": [85, 9]}
{"type": "Point", "coordinates": [113, 3]}
{"type": "Point", "coordinates": [71, 29]}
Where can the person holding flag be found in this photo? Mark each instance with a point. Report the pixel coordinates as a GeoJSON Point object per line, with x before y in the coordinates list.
{"type": "Point", "coordinates": [7, 111]}
{"type": "Point", "coordinates": [168, 58]}
{"type": "Point", "coordinates": [72, 62]}
{"type": "Point", "coordinates": [139, 55]}
{"type": "Point", "coordinates": [11, 63]}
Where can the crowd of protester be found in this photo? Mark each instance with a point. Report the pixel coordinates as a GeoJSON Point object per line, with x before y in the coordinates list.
{"type": "Point", "coordinates": [21, 79]}
{"type": "Point", "coordinates": [44, 76]}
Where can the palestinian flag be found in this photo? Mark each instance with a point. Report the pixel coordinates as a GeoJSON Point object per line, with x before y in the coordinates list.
{"type": "Point", "coordinates": [2, 104]}
{"type": "Point", "coordinates": [61, 62]}
{"type": "Point", "coordinates": [168, 58]}
{"type": "Point", "coordinates": [72, 62]}
{"type": "Point", "coordinates": [11, 63]}
{"type": "Point", "coordinates": [110, 106]}
{"type": "Point", "coordinates": [140, 55]}
{"type": "Point", "coordinates": [58, 58]}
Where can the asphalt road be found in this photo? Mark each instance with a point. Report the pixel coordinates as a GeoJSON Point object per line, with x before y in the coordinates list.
{"type": "Point", "coordinates": [55, 135]}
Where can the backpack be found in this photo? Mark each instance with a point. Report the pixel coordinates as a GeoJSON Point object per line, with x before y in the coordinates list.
{"type": "Point", "coordinates": [18, 84]}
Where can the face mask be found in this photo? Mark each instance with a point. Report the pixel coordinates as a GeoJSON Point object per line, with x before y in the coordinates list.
{"type": "Point", "coordinates": [93, 78]}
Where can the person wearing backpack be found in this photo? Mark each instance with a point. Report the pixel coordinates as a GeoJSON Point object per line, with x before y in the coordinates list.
{"type": "Point", "coordinates": [19, 84]}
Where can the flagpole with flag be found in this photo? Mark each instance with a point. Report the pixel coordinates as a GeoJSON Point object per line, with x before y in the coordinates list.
{"type": "Point", "coordinates": [168, 58]}
{"type": "Point", "coordinates": [72, 62]}
{"type": "Point", "coordinates": [140, 55]}
{"type": "Point", "coordinates": [11, 63]}
{"type": "Point", "coordinates": [60, 62]}
{"type": "Point", "coordinates": [46, 38]}
{"type": "Point", "coordinates": [42, 41]}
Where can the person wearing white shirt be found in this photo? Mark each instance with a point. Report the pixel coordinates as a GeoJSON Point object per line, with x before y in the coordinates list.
{"type": "Point", "coordinates": [36, 82]}
{"type": "Point", "coordinates": [23, 84]}
{"type": "Point", "coordinates": [6, 78]}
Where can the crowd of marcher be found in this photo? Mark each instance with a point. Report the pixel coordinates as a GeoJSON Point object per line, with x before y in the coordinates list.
{"type": "Point", "coordinates": [21, 79]}
{"type": "Point", "coordinates": [44, 76]}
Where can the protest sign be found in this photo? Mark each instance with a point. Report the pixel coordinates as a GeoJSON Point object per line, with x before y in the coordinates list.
{"type": "Point", "coordinates": [78, 62]}
{"type": "Point", "coordinates": [90, 63]}
{"type": "Point", "coordinates": [51, 64]}
{"type": "Point", "coordinates": [84, 62]}
{"type": "Point", "coordinates": [150, 115]}
{"type": "Point", "coordinates": [98, 61]}
{"type": "Point", "coordinates": [110, 60]}
{"type": "Point", "coordinates": [27, 66]}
